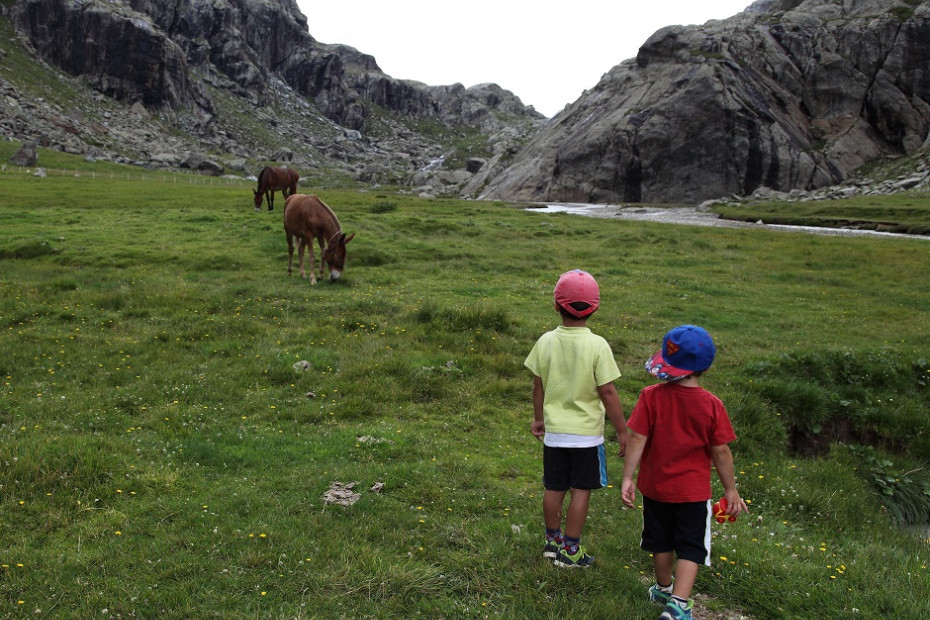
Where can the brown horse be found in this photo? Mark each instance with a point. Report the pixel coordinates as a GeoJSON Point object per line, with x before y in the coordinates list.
{"type": "Point", "coordinates": [271, 180]}
{"type": "Point", "coordinates": [306, 217]}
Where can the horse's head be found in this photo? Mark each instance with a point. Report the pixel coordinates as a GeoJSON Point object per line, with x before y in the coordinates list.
{"type": "Point", "coordinates": [258, 198]}
{"type": "Point", "coordinates": [335, 254]}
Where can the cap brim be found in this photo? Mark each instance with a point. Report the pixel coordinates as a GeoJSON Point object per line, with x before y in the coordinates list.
{"type": "Point", "coordinates": [659, 368]}
{"type": "Point", "coordinates": [578, 314]}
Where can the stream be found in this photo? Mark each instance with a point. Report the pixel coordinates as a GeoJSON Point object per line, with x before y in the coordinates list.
{"type": "Point", "coordinates": [694, 216]}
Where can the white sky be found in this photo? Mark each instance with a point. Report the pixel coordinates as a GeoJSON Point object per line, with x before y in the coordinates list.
{"type": "Point", "coordinates": [547, 53]}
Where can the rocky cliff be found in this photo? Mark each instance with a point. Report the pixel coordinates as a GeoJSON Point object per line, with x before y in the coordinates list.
{"type": "Point", "coordinates": [790, 94]}
{"type": "Point", "coordinates": [155, 81]}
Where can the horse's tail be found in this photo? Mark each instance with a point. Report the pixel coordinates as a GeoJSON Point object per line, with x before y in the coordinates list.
{"type": "Point", "coordinates": [293, 178]}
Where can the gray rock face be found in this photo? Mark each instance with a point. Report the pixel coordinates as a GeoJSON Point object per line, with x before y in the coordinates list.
{"type": "Point", "coordinates": [166, 47]}
{"type": "Point", "coordinates": [179, 68]}
{"type": "Point", "coordinates": [81, 39]}
{"type": "Point", "coordinates": [790, 94]}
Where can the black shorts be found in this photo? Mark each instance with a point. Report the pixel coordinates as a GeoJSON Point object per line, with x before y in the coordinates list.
{"type": "Point", "coordinates": [682, 528]}
{"type": "Point", "coordinates": [574, 468]}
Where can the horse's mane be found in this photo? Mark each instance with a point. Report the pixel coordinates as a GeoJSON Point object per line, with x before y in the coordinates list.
{"type": "Point", "coordinates": [331, 213]}
{"type": "Point", "coordinates": [260, 175]}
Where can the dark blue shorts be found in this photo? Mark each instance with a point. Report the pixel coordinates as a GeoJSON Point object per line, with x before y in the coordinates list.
{"type": "Point", "coordinates": [574, 468]}
{"type": "Point", "coordinates": [682, 528]}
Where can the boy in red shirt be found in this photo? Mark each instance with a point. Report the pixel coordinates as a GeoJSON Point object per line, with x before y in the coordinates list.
{"type": "Point", "coordinates": [677, 430]}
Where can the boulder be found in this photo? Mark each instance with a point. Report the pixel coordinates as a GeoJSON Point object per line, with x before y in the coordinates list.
{"type": "Point", "coordinates": [474, 164]}
{"type": "Point", "coordinates": [210, 168]}
{"type": "Point", "coordinates": [27, 155]}
{"type": "Point", "coordinates": [239, 164]}
{"type": "Point", "coordinates": [283, 154]}
{"type": "Point", "coordinates": [166, 159]}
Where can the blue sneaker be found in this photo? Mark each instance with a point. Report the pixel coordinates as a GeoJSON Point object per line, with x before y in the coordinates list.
{"type": "Point", "coordinates": [551, 549]}
{"type": "Point", "coordinates": [658, 594]}
{"type": "Point", "coordinates": [579, 559]}
{"type": "Point", "coordinates": [674, 611]}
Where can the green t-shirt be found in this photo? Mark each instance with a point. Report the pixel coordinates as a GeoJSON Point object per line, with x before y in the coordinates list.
{"type": "Point", "coordinates": [572, 362]}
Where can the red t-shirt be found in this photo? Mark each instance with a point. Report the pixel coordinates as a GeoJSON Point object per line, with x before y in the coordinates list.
{"type": "Point", "coordinates": [681, 424]}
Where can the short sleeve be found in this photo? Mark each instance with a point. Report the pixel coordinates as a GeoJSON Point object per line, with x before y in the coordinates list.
{"type": "Point", "coordinates": [605, 369]}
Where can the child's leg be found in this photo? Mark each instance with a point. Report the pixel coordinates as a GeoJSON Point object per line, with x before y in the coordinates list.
{"type": "Point", "coordinates": [577, 512]}
{"type": "Point", "coordinates": [552, 508]}
{"type": "Point", "coordinates": [686, 573]}
{"type": "Point", "coordinates": [692, 545]}
{"type": "Point", "coordinates": [662, 563]}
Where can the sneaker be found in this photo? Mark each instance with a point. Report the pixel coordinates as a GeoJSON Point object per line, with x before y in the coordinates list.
{"type": "Point", "coordinates": [579, 559]}
{"type": "Point", "coordinates": [658, 595]}
{"type": "Point", "coordinates": [674, 611]}
{"type": "Point", "coordinates": [551, 549]}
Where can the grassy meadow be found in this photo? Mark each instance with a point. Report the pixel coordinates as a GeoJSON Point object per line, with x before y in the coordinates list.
{"type": "Point", "coordinates": [173, 408]}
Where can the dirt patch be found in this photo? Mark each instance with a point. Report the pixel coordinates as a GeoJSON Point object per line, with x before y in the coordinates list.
{"type": "Point", "coordinates": [341, 493]}
{"type": "Point", "coordinates": [701, 612]}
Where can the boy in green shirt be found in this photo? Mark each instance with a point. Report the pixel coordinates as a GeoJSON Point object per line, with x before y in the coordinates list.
{"type": "Point", "coordinates": [573, 373]}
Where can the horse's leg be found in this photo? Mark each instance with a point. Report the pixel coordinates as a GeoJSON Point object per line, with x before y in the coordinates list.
{"type": "Point", "coordinates": [308, 241]}
{"type": "Point", "coordinates": [290, 253]}
{"type": "Point", "coordinates": [270, 196]}
{"type": "Point", "coordinates": [300, 253]}
{"type": "Point", "coordinates": [322, 257]}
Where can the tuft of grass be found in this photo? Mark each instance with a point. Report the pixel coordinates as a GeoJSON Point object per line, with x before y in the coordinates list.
{"type": "Point", "coordinates": [28, 250]}
{"type": "Point", "coordinates": [869, 397]}
{"type": "Point", "coordinates": [902, 13]}
{"type": "Point", "coordinates": [905, 494]}
{"type": "Point", "coordinates": [383, 206]}
{"type": "Point", "coordinates": [463, 318]}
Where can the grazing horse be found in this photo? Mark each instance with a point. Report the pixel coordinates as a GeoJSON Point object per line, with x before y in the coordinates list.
{"type": "Point", "coordinates": [306, 217]}
{"type": "Point", "coordinates": [271, 180]}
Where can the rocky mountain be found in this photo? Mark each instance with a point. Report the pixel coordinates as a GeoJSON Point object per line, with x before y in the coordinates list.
{"type": "Point", "coordinates": [164, 83]}
{"type": "Point", "coordinates": [788, 95]}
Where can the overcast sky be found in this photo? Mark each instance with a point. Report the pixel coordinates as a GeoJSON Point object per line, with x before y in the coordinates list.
{"type": "Point", "coordinates": [547, 53]}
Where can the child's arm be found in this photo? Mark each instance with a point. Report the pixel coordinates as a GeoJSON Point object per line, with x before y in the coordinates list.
{"type": "Point", "coordinates": [614, 409]}
{"type": "Point", "coordinates": [723, 462]}
{"type": "Point", "coordinates": [634, 452]}
{"type": "Point", "coordinates": [538, 428]}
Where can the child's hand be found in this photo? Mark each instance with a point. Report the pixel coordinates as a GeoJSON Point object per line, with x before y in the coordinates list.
{"type": "Point", "coordinates": [628, 493]}
{"type": "Point", "coordinates": [735, 503]}
{"type": "Point", "coordinates": [538, 428]}
{"type": "Point", "coordinates": [622, 439]}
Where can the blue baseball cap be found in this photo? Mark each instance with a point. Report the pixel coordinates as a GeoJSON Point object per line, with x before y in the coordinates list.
{"type": "Point", "coordinates": [686, 349]}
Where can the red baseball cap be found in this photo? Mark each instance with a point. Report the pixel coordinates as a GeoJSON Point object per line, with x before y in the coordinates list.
{"type": "Point", "coordinates": [577, 285]}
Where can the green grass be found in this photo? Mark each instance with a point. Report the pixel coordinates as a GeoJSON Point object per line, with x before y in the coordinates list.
{"type": "Point", "coordinates": [161, 456]}
{"type": "Point", "coordinates": [907, 213]}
